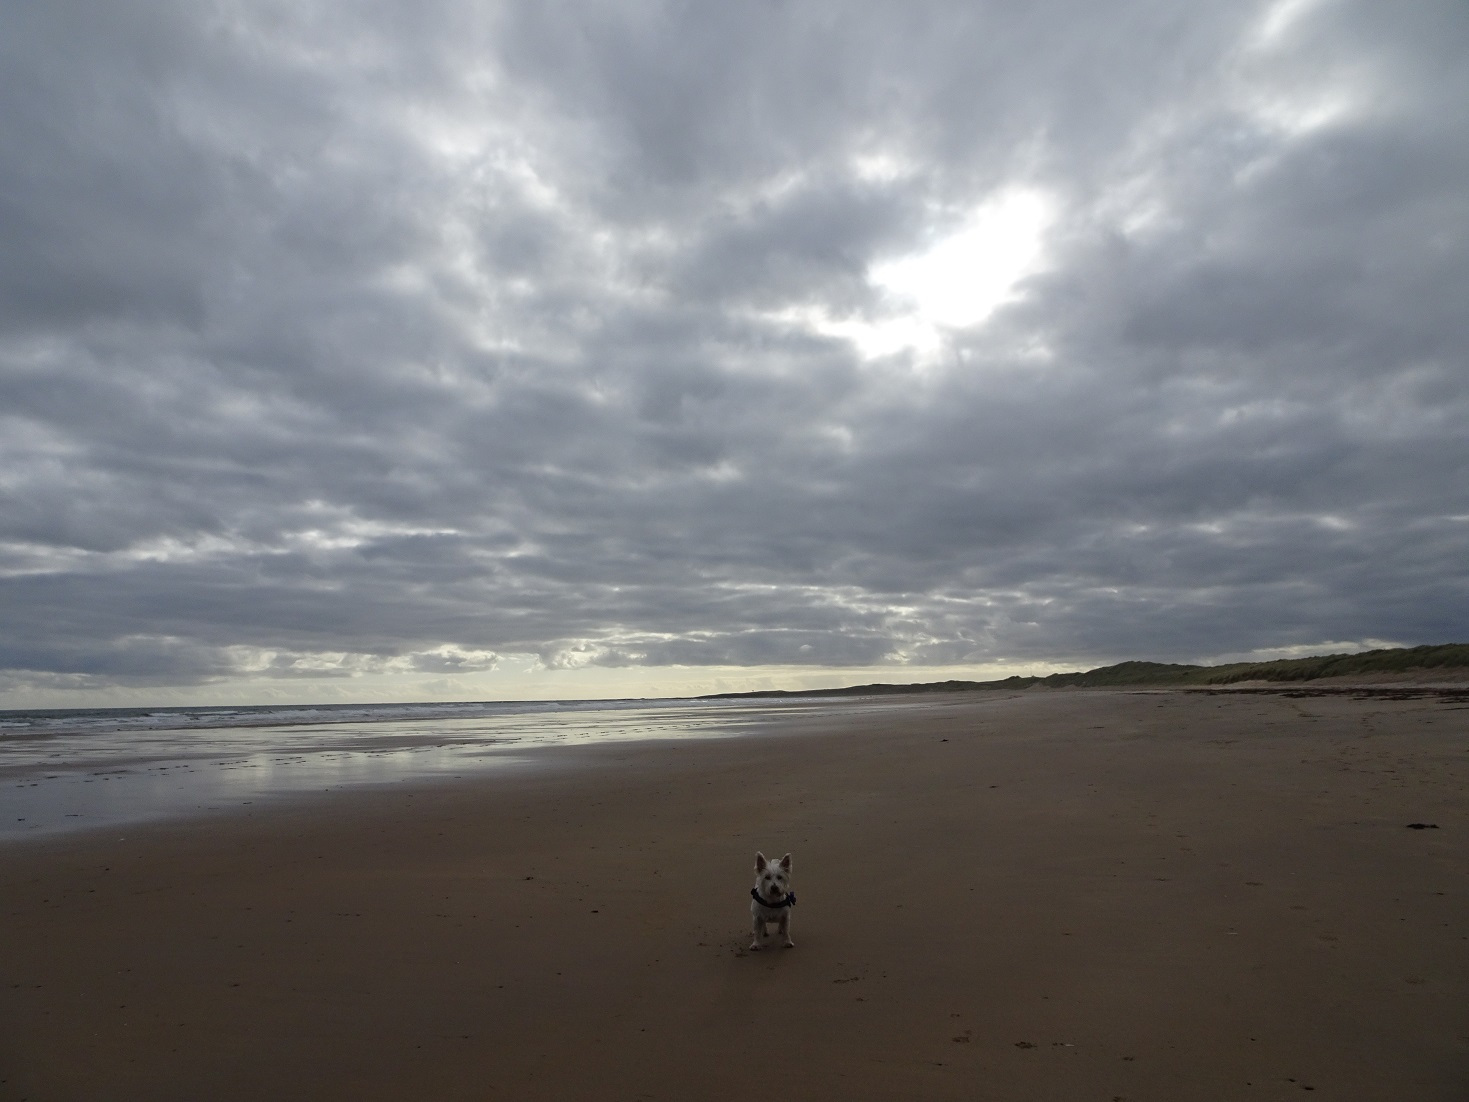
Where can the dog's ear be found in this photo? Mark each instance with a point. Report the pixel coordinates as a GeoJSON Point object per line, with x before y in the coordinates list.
{"type": "Point", "coordinates": [760, 862]}
{"type": "Point", "coordinates": [785, 862]}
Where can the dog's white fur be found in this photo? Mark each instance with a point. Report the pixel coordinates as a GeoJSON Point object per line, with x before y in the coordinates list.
{"type": "Point", "coordinates": [772, 881]}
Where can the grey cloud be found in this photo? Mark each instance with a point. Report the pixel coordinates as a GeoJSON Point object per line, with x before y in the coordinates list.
{"type": "Point", "coordinates": [478, 333]}
{"type": "Point", "coordinates": [813, 244]}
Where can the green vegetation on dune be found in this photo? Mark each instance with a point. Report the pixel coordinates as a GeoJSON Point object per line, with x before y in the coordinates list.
{"type": "Point", "coordinates": [1394, 660]}
{"type": "Point", "coordinates": [1127, 673]}
{"type": "Point", "coordinates": [1365, 663]}
{"type": "Point", "coordinates": [1163, 674]}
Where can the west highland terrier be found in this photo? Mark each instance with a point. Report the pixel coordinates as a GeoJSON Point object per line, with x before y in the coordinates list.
{"type": "Point", "coordinates": [771, 900]}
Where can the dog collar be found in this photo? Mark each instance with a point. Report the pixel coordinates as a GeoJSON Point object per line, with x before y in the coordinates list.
{"type": "Point", "coordinates": [788, 901]}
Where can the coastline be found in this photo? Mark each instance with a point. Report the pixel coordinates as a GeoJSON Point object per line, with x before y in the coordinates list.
{"type": "Point", "coordinates": [1031, 895]}
{"type": "Point", "coordinates": [71, 775]}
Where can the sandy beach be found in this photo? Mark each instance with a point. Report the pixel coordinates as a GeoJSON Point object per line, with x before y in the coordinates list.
{"type": "Point", "coordinates": [1042, 895]}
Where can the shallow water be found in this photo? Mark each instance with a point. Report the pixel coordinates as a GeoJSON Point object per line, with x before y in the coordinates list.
{"type": "Point", "coordinates": [67, 771]}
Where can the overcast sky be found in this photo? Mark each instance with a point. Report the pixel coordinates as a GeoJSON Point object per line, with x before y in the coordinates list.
{"type": "Point", "coordinates": [482, 350]}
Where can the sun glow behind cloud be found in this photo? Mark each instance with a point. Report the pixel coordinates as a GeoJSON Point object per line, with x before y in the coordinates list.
{"type": "Point", "coordinates": [957, 281]}
{"type": "Point", "coordinates": [964, 276]}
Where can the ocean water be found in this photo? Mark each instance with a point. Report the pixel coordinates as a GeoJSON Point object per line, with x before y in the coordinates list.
{"type": "Point", "coordinates": [68, 770]}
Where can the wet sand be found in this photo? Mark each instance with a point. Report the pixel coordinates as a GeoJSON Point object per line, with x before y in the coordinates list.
{"type": "Point", "coordinates": [1043, 895]}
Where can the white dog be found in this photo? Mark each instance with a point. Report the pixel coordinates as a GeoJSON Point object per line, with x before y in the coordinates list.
{"type": "Point", "coordinates": [771, 900]}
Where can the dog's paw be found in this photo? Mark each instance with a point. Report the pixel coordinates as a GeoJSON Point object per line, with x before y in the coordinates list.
{"type": "Point", "coordinates": [755, 946]}
{"type": "Point", "coordinates": [789, 944]}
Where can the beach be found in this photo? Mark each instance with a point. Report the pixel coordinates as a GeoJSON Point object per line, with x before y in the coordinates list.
{"type": "Point", "coordinates": [1112, 895]}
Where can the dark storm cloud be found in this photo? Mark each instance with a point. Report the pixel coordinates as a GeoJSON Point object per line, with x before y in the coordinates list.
{"type": "Point", "coordinates": [338, 341]}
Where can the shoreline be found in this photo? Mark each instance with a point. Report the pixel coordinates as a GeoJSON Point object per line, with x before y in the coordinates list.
{"type": "Point", "coordinates": [1042, 895]}
{"type": "Point", "coordinates": [70, 782]}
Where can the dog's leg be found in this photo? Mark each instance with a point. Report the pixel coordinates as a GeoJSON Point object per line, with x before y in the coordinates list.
{"type": "Point", "coordinates": [785, 930]}
{"type": "Point", "coordinates": [760, 929]}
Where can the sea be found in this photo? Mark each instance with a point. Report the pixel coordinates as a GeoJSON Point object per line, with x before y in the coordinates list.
{"type": "Point", "coordinates": [89, 769]}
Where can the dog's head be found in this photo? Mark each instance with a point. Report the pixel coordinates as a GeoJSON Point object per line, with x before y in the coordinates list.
{"type": "Point", "coordinates": [773, 878]}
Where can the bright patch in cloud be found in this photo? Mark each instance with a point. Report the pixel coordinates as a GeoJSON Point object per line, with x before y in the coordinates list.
{"type": "Point", "coordinates": [962, 278]}
{"type": "Point", "coordinates": [957, 282]}
{"type": "Point", "coordinates": [1281, 19]}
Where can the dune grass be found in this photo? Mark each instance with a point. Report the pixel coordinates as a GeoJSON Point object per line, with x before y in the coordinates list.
{"type": "Point", "coordinates": [1162, 674]}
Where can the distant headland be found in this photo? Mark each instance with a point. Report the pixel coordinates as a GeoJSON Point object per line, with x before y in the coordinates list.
{"type": "Point", "coordinates": [1448, 660]}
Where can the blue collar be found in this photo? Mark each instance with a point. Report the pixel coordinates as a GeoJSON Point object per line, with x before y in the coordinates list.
{"type": "Point", "coordinates": [788, 901]}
